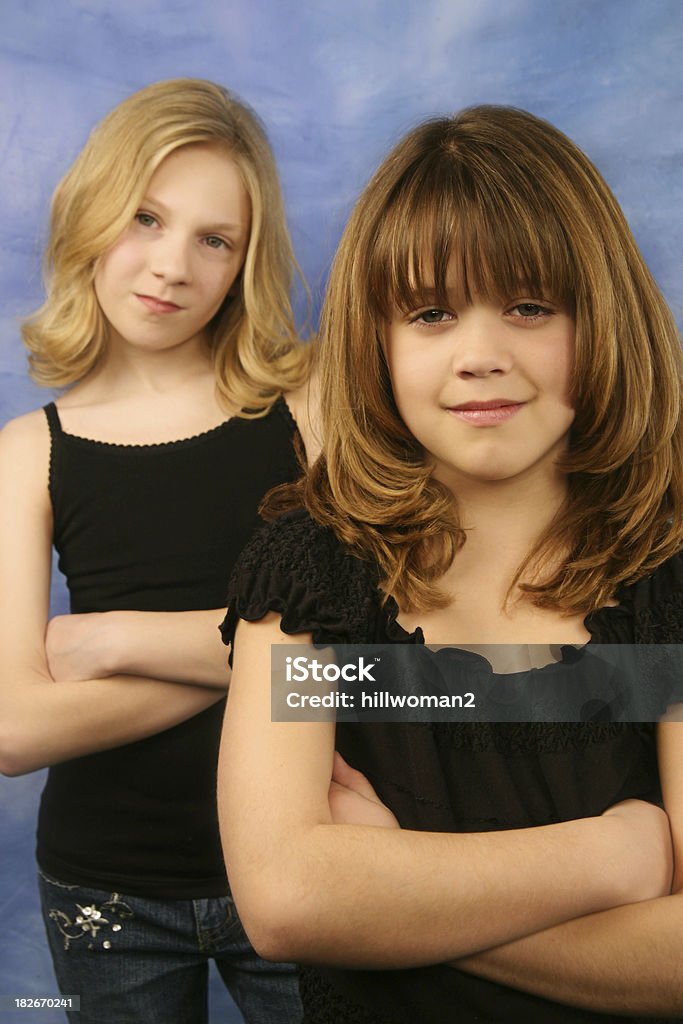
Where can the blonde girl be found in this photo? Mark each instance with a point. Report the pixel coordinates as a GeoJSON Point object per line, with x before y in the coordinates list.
{"type": "Point", "coordinates": [168, 326]}
{"type": "Point", "coordinates": [502, 464]}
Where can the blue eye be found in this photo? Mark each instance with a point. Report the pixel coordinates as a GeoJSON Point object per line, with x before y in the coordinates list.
{"type": "Point", "coordinates": [214, 242]}
{"type": "Point", "coordinates": [145, 219]}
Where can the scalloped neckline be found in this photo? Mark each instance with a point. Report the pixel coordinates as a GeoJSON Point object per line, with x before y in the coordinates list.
{"type": "Point", "coordinates": [179, 443]}
{"type": "Point", "coordinates": [279, 403]}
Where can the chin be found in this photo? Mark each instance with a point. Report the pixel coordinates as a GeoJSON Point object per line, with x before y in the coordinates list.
{"type": "Point", "coordinates": [494, 473]}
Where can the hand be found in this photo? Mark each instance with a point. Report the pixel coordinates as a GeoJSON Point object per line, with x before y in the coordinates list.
{"type": "Point", "coordinates": [353, 801]}
{"type": "Point", "coordinates": [76, 646]}
{"type": "Point", "coordinates": [645, 859]}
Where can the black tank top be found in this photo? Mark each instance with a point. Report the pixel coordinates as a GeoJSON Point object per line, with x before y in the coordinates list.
{"type": "Point", "coordinates": [152, 528]}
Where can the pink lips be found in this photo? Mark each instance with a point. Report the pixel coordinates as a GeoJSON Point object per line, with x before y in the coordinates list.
{"type": "Point", "coordinates": [486, 414]}
{"type": "Point", "coordinates": [155, 305]}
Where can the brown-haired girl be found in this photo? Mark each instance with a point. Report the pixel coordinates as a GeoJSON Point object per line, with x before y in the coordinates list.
{"type": "Point", "coordinates": [168, 320]}
{"type": "Point", "coordinates": [501, 465]}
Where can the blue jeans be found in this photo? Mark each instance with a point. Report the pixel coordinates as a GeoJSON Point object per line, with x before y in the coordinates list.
{"type": "Point", "coordinates": [143, 961]}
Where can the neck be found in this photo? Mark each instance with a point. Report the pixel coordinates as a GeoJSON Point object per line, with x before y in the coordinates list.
{"type": "Point", "coordinates": [132, 370]}
{"type": "Point", "coordinates": [504, 520]}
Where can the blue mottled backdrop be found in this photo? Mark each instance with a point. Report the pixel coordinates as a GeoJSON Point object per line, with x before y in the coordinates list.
{"type": "Point", "coordinates": [336, 83]}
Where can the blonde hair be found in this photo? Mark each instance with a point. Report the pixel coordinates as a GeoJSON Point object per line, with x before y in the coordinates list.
{"type": "Point", "coordinates": [254, 342]}
{"type": "Point", "coordinates": [507, 200]}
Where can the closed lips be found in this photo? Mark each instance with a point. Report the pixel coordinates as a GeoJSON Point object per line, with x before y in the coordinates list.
{"type": "Point", "coordinates": [495, 403]}
{"type": "Point", "coordinates": [158, 305]}
{"type": "Point", "coordinates": [486, 413]}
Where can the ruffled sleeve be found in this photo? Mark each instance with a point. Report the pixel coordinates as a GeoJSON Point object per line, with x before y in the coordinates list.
{"type": "Point", "coordinates": [648, 612]}
{"type": "Point", "coordinates": [299, 569]}
{"type": "Point", "coordinates": [658, 611]}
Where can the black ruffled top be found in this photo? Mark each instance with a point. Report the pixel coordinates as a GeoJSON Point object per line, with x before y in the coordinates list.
{"type": "Point", "coordinates": [452, 776]}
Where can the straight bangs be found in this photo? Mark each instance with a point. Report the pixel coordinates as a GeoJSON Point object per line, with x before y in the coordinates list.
{"type": "Point", "coordinates": [454, 229]}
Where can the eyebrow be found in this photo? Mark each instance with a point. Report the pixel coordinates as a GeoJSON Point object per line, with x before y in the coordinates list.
{"type": "Point", "coordinates": [227, 226]}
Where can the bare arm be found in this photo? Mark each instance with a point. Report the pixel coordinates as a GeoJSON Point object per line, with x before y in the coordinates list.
{"type": "Point", "coordinates": [41, 722]}
{"type": "Point", "coordinates": [309, 889]}
{"type": "Point", "coordinates": [184, 647]}
{"type": "Point", "coordinates": [625, 960]}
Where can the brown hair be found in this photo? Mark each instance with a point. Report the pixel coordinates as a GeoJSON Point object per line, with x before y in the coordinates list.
{"type": "Point", "coordinates": [510, 201]}
{"type": "Point", "coordinates": [257, 353]}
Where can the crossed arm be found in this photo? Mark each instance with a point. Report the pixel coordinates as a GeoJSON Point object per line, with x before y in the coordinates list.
{"type": "Point", "coordinates": [42, 722]}
{"type": "Point", "coordinates": [623, 960]}
{"type": "Point", "coordinates": [315, 883]}
{"type": "Point", "coordinates": [182, 647]}
{"type": "Point", "coordinates": [175, 660]}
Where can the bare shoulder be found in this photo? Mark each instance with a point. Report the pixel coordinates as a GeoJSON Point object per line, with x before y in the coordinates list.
{"type": "Point", "coordinates": [30, 428]}
{"type": "Point", "coordinates": [25, 538]}
{"type": "Point", "coordinates": [304, 404]}
{"type": "Point", "coordinates": [25, 447]}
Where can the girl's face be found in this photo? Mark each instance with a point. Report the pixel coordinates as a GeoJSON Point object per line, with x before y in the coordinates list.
{"type": "Point", "coordinates": [168, 274]}
{"type": "Point", "coordinates": [484, 387]}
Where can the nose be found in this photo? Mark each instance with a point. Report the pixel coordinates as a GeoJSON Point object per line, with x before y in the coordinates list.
{"type": "Point", "coordinates": [170, 258]}
{"type": "Point", "coordinates": [480, 346]}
